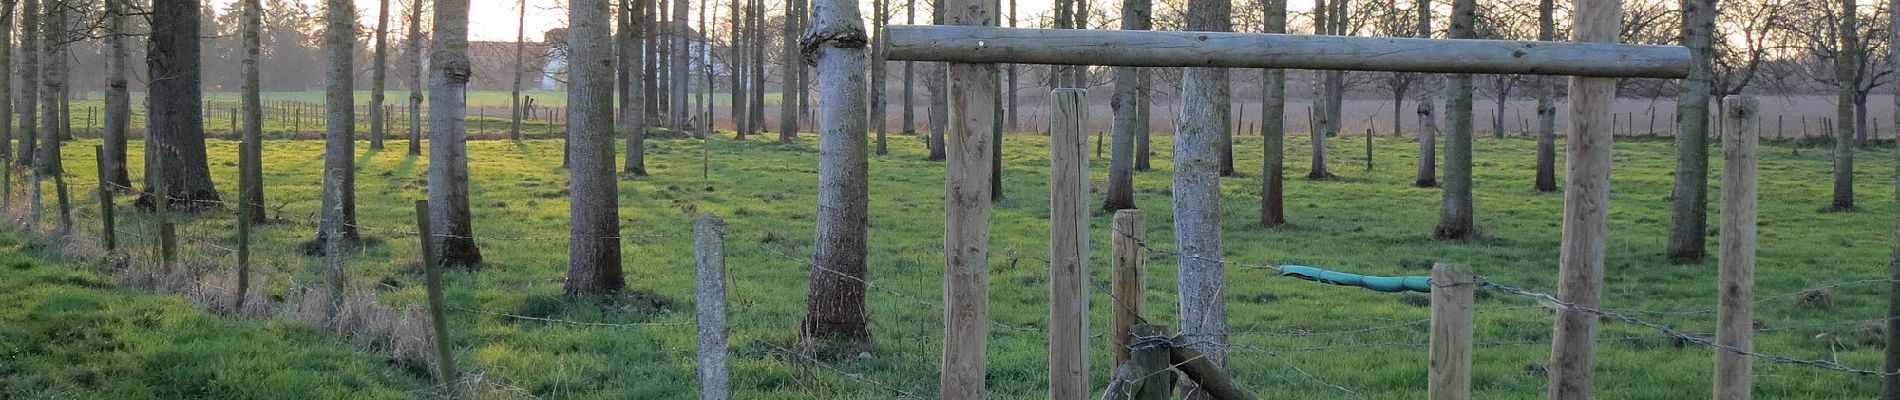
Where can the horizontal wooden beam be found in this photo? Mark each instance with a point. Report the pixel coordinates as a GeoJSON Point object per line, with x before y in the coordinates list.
{"type": "Point", "coordinates": [990, 45]}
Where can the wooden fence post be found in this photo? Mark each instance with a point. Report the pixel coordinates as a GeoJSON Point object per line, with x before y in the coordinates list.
{"type": "Point", "coordinates": [709, 301]}
{"type": "Point", "coordinates": [1452, 290]}
{"type": "Point", "coordinates": [1210, 378]}
{"type": "Point", "coordinates": [1159, 384]}
{"type": "Point", "coordinates": [167, 233]}
{"type": "Point", "coordinates": [1368, 149]}
{"type": "Point", "coordinates": [1069, 246]}
{"type": "Point", "coordinates": [966, 274]}
{"type": "Point", "coordinates": [439, 326]}
{"type": "Point", "coordinates": [108, 235]}
{"type": "Point", "coordinates": [1572, 365]}
{"type": "Point", "coordinates": [1735, 320]}
{"type": "Point", "coordinates": [1130, 288]}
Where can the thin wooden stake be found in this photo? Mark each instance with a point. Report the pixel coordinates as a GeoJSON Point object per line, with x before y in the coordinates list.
{"type": "Point", "coordinates": [439, 325]}
{"type": "Point", "coordinates": [1069, 246]}
{"type": "Point", "coordinates": [1130, 288]}
{"type": "Point", "coordinates": [1735, 320]}
{"type": "Point", "coordinates": [1452, 292]}
{"type": "Point", "coordinates": [108, 235]}
{"type": "Point", "coordinates": [709, 302]}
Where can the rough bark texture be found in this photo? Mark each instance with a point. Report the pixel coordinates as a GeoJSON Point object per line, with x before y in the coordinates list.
{"type": "Point", "coordinates": [415, 77]}
{"type": "Point", "coordinates": [757, 115]}
{"type": "Point", "coordinates": [938, 86]}
{"type": "Point", "coordinates": [741, 56]}
{"type": "Point", "coordinates": [1454, 212]}
{"type": "Point", "coordinates": [879, 13]}
{"type": "Point", "coordinates": [379, 77]}
{"type": "Point", "coordinates": [834, 309]}
{"type": "Point", "coordinates": [1127, 99]}
{"type": "Point", "coordinates": [1689, 225]}
{"type": "Point", "coordinates": [28, 103]}
{"type": "Point", "coordinates": [251, 192]}
{"type": "Point", "coordinates": [1273, 128]}
{"type": "Point", "coordinates": [681, 78]}
{"type": "Point", "coordinates": [175, 146]}
{"type": "Point", "coordinates": [118, 98]}
{"type": "Point", "coordinates": [593, 247]}
{"type": "Point", "coordinates": [1427, 174]}
{"type": "Point", "coordinates": [1546, 169]}
{"type": "Point", "coordinates": [7, 21]}
{"type": "Point", "coordinates": [339, 104]}
{"type": "Point", "coordinates": [790, 75]}
{"type": "Point", "coordinates": [449, 72]}
{"type": "Point", "coordinates": [633, 112]}
{"type": "Point", "coordinates": [53, 89]}
{"type": "Point", "coordinates": [514, 94]}
{"type": "Point", "coordinates": [1202, 124]}
{"type": "Point", "coordinates": [1847, 74]}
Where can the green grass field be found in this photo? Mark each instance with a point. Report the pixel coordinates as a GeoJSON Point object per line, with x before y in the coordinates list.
{"type": "Point", "coordinates": [1299, 339]}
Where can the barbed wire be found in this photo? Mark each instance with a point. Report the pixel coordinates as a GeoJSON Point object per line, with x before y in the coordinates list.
{"type": "Point", "coordinates": [913, 299]}
{"type": "Point", "coordinates": [902, 394]}
{"type": "Point", "coordinates": [570, 322]}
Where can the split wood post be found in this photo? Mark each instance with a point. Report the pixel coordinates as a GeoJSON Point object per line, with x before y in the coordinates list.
{"type": "Point", "coordinates": [1159, 382]}
{"type": "Point", "coordinates": [1452, 290]}
{"type": "Point", "coordinates": [1069, 245]}
{"type": "Point", "coordinates": [1129, 293]}
{"type": "Point", "coordinates": [108, 235]}
{"type": "Point", "coordinates": [709, 303]}
{"type": "Point", "coordinates": [1368, 149]}
{"type": "Point", "coordinates": [1201, 370]}
{"type": "Point", "coordinates": [1586, 207]}
{"type": "Point", "coordinates": [439, 325]}
{"type": "Point", "coordinates": [167, 233]}
{"type": "Point", "coordinates": [973, 90]}
{"type": "Point", "coordinates": [1734, 316]}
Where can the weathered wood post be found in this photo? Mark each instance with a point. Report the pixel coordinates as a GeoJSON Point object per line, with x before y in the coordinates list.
{"type": "Point", "coordinates": [1735, 319]}
{"type": "Point", "coordinates": [709, 303]}
{"type": "Point", "coordinates": [167, 233]}
{"type": "Point", "coordinates": [108, 234]}
{"type": "Point", "coordinates": [973, 90]}
{"type": "Point", "coordinates": [1368, 149]}
{"type": "Point", "coordinates": [1586, 207]}
{"type": "Point", "coordinates": [1147, 376]}
{"type": "Point", "coordinates": [1130, 287]}
{"type": "Point", "coordinates": [439, 325]}
{"type": "Point", "coordinates": [1210, 377]}
{"type": "Point", "coordinates": [1452, 290]}
{"type": "Point", "coordinates": [1069, 245]}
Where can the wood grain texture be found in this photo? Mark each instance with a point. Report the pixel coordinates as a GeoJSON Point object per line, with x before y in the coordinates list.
{"type": "Point", "coordinates": [1450, 353]}
{"type": "Point", "coordinates": [1735, 313]}
{"type": "Point", "coordinates": [1069, 246]}
{"type": "Point", "coordinates": [1129, 286]}
{"type": "Point", "coordinates": [972, 90]}
{"type": "Point", "coordinates": [1586, 207]}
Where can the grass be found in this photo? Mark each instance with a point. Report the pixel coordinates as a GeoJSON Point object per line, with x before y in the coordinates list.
{"type": "Point", "coordinates": [67, 331]}
{"type": "Point", "coordinates": [1304, 340]}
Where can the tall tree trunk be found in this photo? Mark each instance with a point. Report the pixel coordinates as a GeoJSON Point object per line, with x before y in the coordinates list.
{"type": "Point", "coordinates": [879, 14]}
{"type": "Point", "coordinates": [53, 89]}
{"type": "Point", "coordinates": [1273, 127]}
{"type": "Point", "coordinates": [654, 34]}
{"type": "Point", "coordinates": [593, 250]}
{"type": "Point", "coordinates": [175, 145]}
{"type": "Point", "coordinates": [1454, 213]}
{"type": "Point", "coordinates": [625, 45]}
{"type": "Point", "coordinates": [804, 68]}
{"type": "Point", "coordinates": [1847, 73]}
{"type": "Point", "coordinates": [1009, 85]}
{"type": "Point", "coordinates": [415, 77]}
{"type": "Point", "coordinates": [681, 77]}
{"type": "Point", "coordinates": [633, 109]}
{"type": "Point", "coordinates": [996, 142]}
{"type": "Point", "coordinates": [1136, 15]}
{"type": "Point", "coordinates": [29, 101]}
{"type": "Point", "coordinates": [1203, 122]}
{"type": "Point", "coordinates": [449, 72]}
{"type": "Point", "coordinates": [118, 98]}
{"type": "Point", "coordinates": [339, 103]}
{"type": "Point", "coordinates": [7, 21]}
{"type": "Point", "coordinates": [379, 77]}
{"type": "Point", "coordinates": [251, 195]}
{"type": "Point", "coordinates": [939, 88]}
{"type": "Point", "coordinates": [521, 68]}
{"type": "Point", "coordinates": [909, 120]}
{"type": "Point", "coordinates": [757, 115]}
{"type": "Point", "coordinates": [1546, 106]}
{"type": "Point", "coordinates": [1427, 175]}
{"type": "Point", "coordinates": [1322, 85]}
{"type": "Point", "coordinates": [1689, 228]}
{"type": "Point", "coordinates": [835, 307]}
{"type": "Point", "coordinates": [739, 53]}
{"type": "Point", "coordinates": [790, 73]}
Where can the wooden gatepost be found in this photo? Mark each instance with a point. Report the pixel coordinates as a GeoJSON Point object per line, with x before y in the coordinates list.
{"type": "Point", "coordinates": [971, 43]}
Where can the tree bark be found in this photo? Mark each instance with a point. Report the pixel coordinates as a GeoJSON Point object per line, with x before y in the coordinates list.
{"type": "Point", "coordinates": [521, 68]}
{"type": "Point", "coordinates": [251, 196]}
{"type": "Point", "coordinates": [1688, 229]}
{"type": "Point", "coordinates": [379, 77]}
{"type": "Point", "coordinates": [790, 74]}
{"type": "Point", "coordinates": [738, 69]}
{"type": "Point", "coordinates": [449, 72]}
{"type": "Point", "coordinates": [835, 307]}
{"type": "Point", "coordinates": [118, 98]}
{"type": "Point", "coordinates": [339, 103]}
{"type": "Point", "coordinates": [757, 114]}
{"type": "Point", "coordinates": [175, 147]}
{"type": "Point", "coordinates": [879, 13]}
{"type": "Point", "coordinates": [415, 77]}
{"type": "Point", "coordinates": [1546, 106]}
{"type": "Point", "coordinates": [29, 101]}
{"type": "Point", "coordinates": [7, 21]}
{"type": "Point", "coordinates": [53, 89]}
{"type": "Point", "coordinates": [1273, 128]}
{"type": "Point", "coordinates": [938, 86]}
{"type": "Point", "coordinates": [1203, 123]}
{"type": "Point", "coordinates": [1847, 74]}
{"type": "Point", "coordinates": [632, 110]}
{"type": "Point", "coordinates": [681, 77]}
{"type": "Point", "coordinates": [1136, 15]}
{"type": "Point", "coordinates": [593, 247]}
{"type": "Point", "coordinates": [1454, 212]}
{"type": "Point", "coordinates": [909, 124]}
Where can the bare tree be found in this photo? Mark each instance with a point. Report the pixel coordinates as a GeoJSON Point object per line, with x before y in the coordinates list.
{"type": "Point", "coordinates": [682, 77]}
{"type": "Point", "coordinates": [835, 307]}
{"type": "Point", "coordinates": [1127, 99]}
{"type": "Point", "coordinates": [633, 62]}
{"type": "Point", "coordinates": [1847, 73]}
{"type": "Point", "coordinates": [879, 14]}
{"type": "Point", "coordinates": [339, 103]}
{"type": "Point", "coordinates": [449, 72]}
{"type": "Point", "coordinates": [7, 8]}
{"type": "Point", "coordinates": [1273, 127]}
{"type": "Point", "coordinates": [1427, 175]}
{"type": "Point", "coordinates": [789, 83]}
{"type": "Point", "coordinates": [1546, 169]}
{"type": "Point", "coordinates": [118, 98]}
{"type": "Point", "coordinates": [29, 101]}
{"type": "Point", "coordinates": [1454, 212]}
{"type": "Point", "coordinates": [379, 77]}
{"type": "Point", "coordinates": [939, 86]}
{"type": "Point", "coordinates": [1203, 123]}
{"type": "Point", "coordinates": [251, 195]}
{"type": "Point", "coordinates": [521, 68]}
{"type": "Point", "coordinates": [52, 91]}
{"type": "Point", "coordinates": [757, 114]}
{"type": "Point", "coordinates": [175, 144]}
{"type": "Point", "coordinates": [739, 54]}
{"type": "Point", "coordinates": [909, 124]}
{"type": "Point", "coordinates": [416, 83]}
{"type": "Point", "coordinates": [593, 249]}
{"type": "Point", "coordinates": [1689, 226]}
